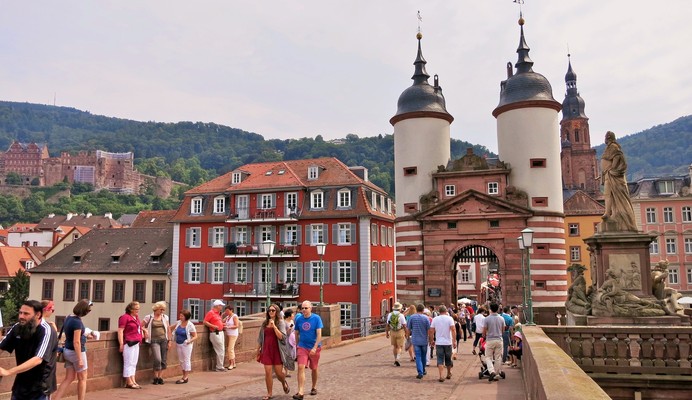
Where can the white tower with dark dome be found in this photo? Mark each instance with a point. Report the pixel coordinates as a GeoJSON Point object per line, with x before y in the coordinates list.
{"type": "Point", "coordinates": [421, 138]}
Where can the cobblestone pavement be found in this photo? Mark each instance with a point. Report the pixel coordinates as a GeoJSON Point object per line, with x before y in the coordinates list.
{"type": "Point", "coordinates": [372, 375]}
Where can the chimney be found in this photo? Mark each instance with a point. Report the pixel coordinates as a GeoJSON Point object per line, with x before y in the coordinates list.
{"type": "Point", "coordinates": [69, 216]}
{"type": "Point", "coordinates": [51, 215]}
{"type": "Point", "coordinates": [88, 215]}
{"type": "Point", "coordinates": [108, 215]}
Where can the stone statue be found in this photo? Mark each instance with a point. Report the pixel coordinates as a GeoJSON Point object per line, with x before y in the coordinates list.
{"type": "Point", "coordinates": [612, 301]}
{"type": "Point", "coordinates": [578, 301]}
{"type": "Point", "coordinates": [618, 207]}
{"type": "Point", "coordinates": [668, 296]}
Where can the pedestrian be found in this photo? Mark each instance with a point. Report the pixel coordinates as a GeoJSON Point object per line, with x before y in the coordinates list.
{"type": "Point", "coordinates": [48, 310]}
{"type": "Point", "coordinates": [515, 350]}
{"type": "Point", "coordinates": [479, 324]}
{"type": "Point", "coordinates": [271, 333]}
{"type": "Point", "coordinates": [407, 345]}
{"type": "Point", "coordinates": [309, 346]}
{"type": "Point", "coordinates": [431, 348]}
{"type": "Point", "coordinates": [215, 325]}
{"type": "Point", "coordinates": [184, 333]}
{"type": "Point", "coordinates": [230, 330]}
{"type": "Point", "coordinates": [158, 326]}
{"type": "Point", "coordinates": [457, 336]}
{"type": "Point", "coordinates": [470, 313]}
{"type": "Point", "coordinates": [395, 331]}
{"type": "Point", "coordinates": [35, 346]}
{"type": "Point", "coordinates": [290, 327]}
{"type": "Point", "coordinates": [506, 334]}
{"type": "Point", "coordinates": [462, 317]}
{"type": "Point", "coordinates": [75, 350]}
{"type": "Point", "coordinates": [494, 325]}
{"type": "Point", "coordinates": [443, 334]}
{"type": "Point", "coordinates": [417, 328]}
{"type": "Point", "coordinates": [130, 336]}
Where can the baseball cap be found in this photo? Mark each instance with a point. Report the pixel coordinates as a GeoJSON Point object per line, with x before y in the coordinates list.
{"type": "Point", "coordinates": [218, 303]}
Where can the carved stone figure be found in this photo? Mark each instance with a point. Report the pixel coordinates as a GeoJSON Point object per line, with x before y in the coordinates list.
{"type": "Point", "coordinates": [612, 301]}
{"type": "Point", "coordinates": [578, 301]}
{"type": "Point", "coordinates": [618, 207]}
{"type": "Point", "coordinates": [668, 296]}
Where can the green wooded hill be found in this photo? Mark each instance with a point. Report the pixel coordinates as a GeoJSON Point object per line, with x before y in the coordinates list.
{"type": "Point", "coordinates": [664, 149]}
{"type": "Point", "coordinates": [180, 149]}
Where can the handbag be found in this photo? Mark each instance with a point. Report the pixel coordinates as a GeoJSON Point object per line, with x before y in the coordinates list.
{"type": "Point", "coordinates": [60, 355]}
{"type": "Point", "coordinates": [258, 357]}
{"type": "Point", "coordinates": [407, 345]}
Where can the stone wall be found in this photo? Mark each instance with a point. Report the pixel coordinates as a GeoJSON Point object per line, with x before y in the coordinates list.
{"type": "Point", "coordinates": [105, 361]}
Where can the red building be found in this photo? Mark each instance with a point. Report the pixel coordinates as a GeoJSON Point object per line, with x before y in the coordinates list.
{"type": "Point", "coordinates": [221, 225]}
{"type": "Point", "coordinates": [25, 159]}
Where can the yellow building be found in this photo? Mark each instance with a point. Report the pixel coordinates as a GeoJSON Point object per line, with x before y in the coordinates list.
{"type": "Point", "coordinates": [582, 215]}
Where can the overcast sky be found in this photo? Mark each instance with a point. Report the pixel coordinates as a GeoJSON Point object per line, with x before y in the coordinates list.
{"type": "Point", "coordinates": [291, 69]}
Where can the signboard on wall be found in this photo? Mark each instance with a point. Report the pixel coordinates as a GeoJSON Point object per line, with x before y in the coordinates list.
{"type": "Point", "coordinates": [434, 292]}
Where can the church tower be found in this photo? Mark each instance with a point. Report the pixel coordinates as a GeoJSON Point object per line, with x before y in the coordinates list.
{"type": "Point", "coordinates": [579, 170]}
{"type": "Point", "coordinates": [421, 138]}
{"type": "Point", "coordinates": [529, 141]}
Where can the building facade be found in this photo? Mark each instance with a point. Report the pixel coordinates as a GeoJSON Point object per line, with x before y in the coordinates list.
{"type": "Point", "coordinates": [222, 225]}
{"type": "Point", "coordinates": [24, 159]}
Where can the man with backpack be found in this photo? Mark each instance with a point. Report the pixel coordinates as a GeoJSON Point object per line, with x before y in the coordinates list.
{"type": "Point", "coordinates": [396, 331]}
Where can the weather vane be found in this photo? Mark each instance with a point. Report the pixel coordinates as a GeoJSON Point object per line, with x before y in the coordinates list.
{"type": "Point", "coordinates": [420, 19]}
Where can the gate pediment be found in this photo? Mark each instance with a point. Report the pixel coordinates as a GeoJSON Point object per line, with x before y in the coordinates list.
{"type": "Point", "coordinates": [473, 204]}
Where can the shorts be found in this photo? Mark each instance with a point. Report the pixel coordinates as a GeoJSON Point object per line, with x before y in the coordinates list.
{"type": "Point", "coordinates": [444, 355]}
{"type": "Point", "coordinates": [311, 361]}
{"type": "Point", "coordinates": [71, 360]}
{"type": "Point", "coordinates": [397, 338]}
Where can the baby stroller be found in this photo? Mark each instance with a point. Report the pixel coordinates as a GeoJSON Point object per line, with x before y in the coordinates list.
{"type": "Point", "coordinates": [484, 373]}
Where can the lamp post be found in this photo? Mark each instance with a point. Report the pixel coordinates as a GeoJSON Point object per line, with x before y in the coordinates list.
{"type": "Point", "coordinates": [268, 249]}
{"type": "Point", "coordinates": [520, 241]}
{"type": "Point", "coordinates": [321, 247]}
{"type": "Point", "coordinates": [527, 239]}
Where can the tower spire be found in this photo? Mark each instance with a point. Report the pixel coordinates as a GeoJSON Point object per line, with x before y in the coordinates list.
{"type": "Point", "coordinates": [420, 75]}
{"type": "Point", "coordinates": [524, 63]}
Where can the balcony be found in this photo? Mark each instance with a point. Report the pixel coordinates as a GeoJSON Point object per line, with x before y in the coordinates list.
{"type": "Point", "coordinates": [288, 290]}
{"type": "Point", "coordinates": [253, 214]}
{"type": "Point", "coordinates": [282, 250]}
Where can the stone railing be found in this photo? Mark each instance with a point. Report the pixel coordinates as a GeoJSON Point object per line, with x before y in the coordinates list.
{"type": "Point", "coordinates": [549, 373]}
{"type": "Point", "coordinates": [625, 360]}
{"type": "Point", "coordinates": [106, 363]}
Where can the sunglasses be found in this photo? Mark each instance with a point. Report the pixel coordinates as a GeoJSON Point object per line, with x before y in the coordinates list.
{"type": "Point", "coordinates": [272, 310]}
{"type": "Point", "coordinates": [305, 308]}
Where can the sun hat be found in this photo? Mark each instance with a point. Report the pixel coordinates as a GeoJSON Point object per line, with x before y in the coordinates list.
{"type": "Point", "coordinates": [396, 306]}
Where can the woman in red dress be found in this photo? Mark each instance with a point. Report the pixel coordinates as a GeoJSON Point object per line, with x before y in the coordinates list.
{"type": "Point", "coordinates": [272, 331]}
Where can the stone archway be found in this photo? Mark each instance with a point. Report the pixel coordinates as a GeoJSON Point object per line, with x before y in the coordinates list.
{"type": "Point", "coordinates": [479, 262]}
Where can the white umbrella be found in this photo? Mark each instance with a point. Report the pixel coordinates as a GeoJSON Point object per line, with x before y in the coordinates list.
{"type": "Point", "coordinates": [685, 300]}
{"type": "Point", "coordinates": [464, 300]}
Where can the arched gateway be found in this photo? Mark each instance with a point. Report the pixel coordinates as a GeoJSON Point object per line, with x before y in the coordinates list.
{"type": "Point", "coordinates": [475, 274]}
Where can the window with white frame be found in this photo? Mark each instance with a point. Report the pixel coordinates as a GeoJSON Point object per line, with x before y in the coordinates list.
{"type": "Point", "coordinates": [217, 272]}
{"type": "Point", "coordinates": [668, 215]}
{"type": "Point", "coordinates": [317, 233]}
{"type": "Point", "coordinates": [266, 201]}
{"type": "Point", "coordinates": [666, 187]}
{"type": "Point", "coordinates": [290, 272]}
{"type": "Point", "coordinates": [650, 215]}
{"type": "Point", "coordinates": [383, 235]}
{"type": "Point", "coordinates": [313, 172]}
{"type": "Point", "coordinates": [373, 200]}
{"type": "Point", "coordinates": [687, 214]}
{"type": "Point", "coordinates": [389, 205]}
{"type": "Point", "coordinates": [344, 196]}
{"type": "Point", "coordinates": [241, 272]}
{"type": "Point", "coordinates": [381, 202]}
{"type": "Point", "coordinates": [219, 236]}
{"type": "Point", "coordinates": [450, 190]}
{"type": "Point", "coordinates": [344, 234]}
{"type": "Point", "coordinates": [263, 306]}
{"type": "Point", "coordinates": [688, 250]}
{"type": "Point", "coordinates": [373, 273]}
{"type": "Point", "coordinates": [266, 233]}
{"type": "Point", "coordinates": [390, 236]}
{"type": "Point", "coordinates": [195, 312]}
{"type": "Point", "coordinates": [264, 272]}
{"type": "Point", "coordinates": [689, 275]}
{"type": "Point", "coordinates": [373, 234]}
{"type": "Point", "coordinates": [345, 272]}
{"type": "Point", "coordinates": [574, 229]}
{"type": "Point", "coordinates": [291, 232]}
{"type": "Point", "coordinates": [291, 202]}
{"type": "Point", "coordinates": [574, 253]}
{"type": "Point", "coordinates": [673, 276]}
{"type": "Point", "coordinates": [235, 178]}
{"type": "Point", "coordinates": [493, 188]}
{"type": "Point", "coordinates": [671, 246]}
{"type": "Point", "coordinates": [195, 272]}
{"type": "Point", "coordinates": [241, 235]}
{"type": "Point", "coordinates": [317, 200]}
{"type": "Point", "coordinates": [219, 205]}
{"type": "Point", "coordinates": [383, 271]}
{"type": "Point", "coordinates": [291, 304]}
{"type": "Point", "coordinates": [196, 206]}
{"type": "Point", "coordinates": [465, 274]}
{"type": "Point", "coordinates": [345, 314]}
{"type": "Point", "coordinates": [240, 307]}
{"type": "Point", "coordinates": [390, 270]}
{"type": "Point", "coordinates": [653, 247]}
{"type": "Point", "coordinates": [194, 237]}
{"type": "Point", "coordinates": [315, 272]}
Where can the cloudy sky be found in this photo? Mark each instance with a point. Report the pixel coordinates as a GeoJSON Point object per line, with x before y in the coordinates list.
{"type": "Point", "coordinates": [291, 69]}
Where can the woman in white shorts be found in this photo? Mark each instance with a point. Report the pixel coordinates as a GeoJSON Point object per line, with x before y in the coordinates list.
{"type": "Point", "coordinates": [75, 351]}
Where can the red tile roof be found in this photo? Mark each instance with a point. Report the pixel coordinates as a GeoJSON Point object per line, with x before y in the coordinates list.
{"type": "Point", "coordinates": [153, 219]}
{"type": "Point", "coordinates": [11, 260]}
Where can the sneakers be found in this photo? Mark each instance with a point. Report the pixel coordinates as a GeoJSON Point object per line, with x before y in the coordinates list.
{"type": "Point", "coordinates": [419, 376]}
{"type": "Point", "coordinates": [492, 377]}
{"type": "Point", "coordinates": [396, 362]}
{"type": "Point", "coordinates": [474, 351]}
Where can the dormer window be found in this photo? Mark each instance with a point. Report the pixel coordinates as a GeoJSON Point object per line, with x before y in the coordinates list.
{"type": "Point", "coordinates": [219, 205]}
{"type": "Point", "coordinates": [666, 187]}
{"type": "Point", "coordinates": [196, 206]}
{"type": "Point", "coordinates": [115, 259]}
{"type": "Point", "coordinates": [317, 200]}
{"type": "Point", "coordinates": [373, 200]}
{"type": "Point", "coordinates": [344, 198]}
{"type": "Point", "coordinates": [77, 259]}
{"type": "Point", "coordinates": [155, 256]}
{"type": "Point", "coordinates": [117, 255]}
{"type": "Point", "coordinates": [389, 205]}
{"type": "Point", "coordinates": [235, 178]}
{"type": "Point", "coordinates": [78, 256]}
{"type": "Point", "coordinates": [28, 264]}
{"type": "Point", "coordinates": [313, 172]}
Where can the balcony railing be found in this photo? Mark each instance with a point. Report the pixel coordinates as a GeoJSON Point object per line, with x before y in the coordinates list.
{"type": "Point", "coordinates": [251, 214]}
{"type": "Point", "coordinates": [259, 290]}
{"type": "Point", "coordinates": [362, 327]}
{"type": "Point", "coordinates": [281, 250]}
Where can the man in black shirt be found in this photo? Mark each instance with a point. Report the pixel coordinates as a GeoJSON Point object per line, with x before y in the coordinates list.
{"type": "Point", "coordinates": [35, 344]}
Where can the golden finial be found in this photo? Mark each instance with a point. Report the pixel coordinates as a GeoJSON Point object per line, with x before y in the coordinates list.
{"type": "Point", "coordinates": [419, 36]}
{"type": "Point", "coordinates": [521, 19]}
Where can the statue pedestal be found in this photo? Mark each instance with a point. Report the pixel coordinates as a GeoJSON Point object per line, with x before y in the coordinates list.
{"type": "Point", "coordinates": [626, 254]}
{"type": "Point", "coordinates": [576, 319]}
{"type": "Point", "coordinates": [668, 320]}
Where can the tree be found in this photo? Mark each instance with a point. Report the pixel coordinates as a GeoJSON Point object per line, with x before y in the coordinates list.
{"type": "Point", "coordinates": [16, 294]}
{"type": "Point", "coordinates": [13, 178]}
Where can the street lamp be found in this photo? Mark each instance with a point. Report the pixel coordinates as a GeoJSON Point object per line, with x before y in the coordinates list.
{"type": "Point", "coordinates": [527, 239]}
{"type": "Point", "coordinates": [520, 241]}
{"type": "Point", "coordinates": [321, 247]}
{"type": "Point", "coordinates": [268, 250]}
